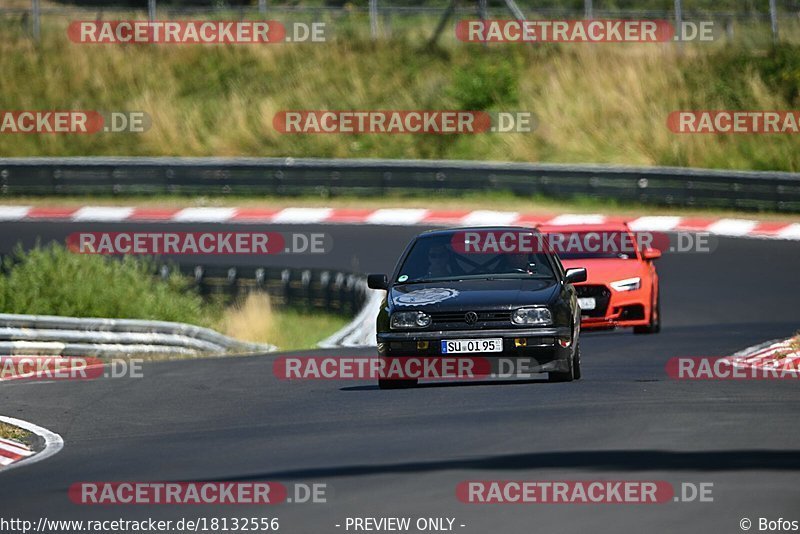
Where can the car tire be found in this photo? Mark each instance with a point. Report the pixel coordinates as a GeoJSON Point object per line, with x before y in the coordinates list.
{"type": "Point", "coordinates": [655, 320]}
{"type": "Point", "coordinates": [574, 371]}
{"type": "Point", "coordinates": [396, 384]}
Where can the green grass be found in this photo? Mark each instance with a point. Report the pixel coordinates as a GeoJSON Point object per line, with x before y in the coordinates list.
{"type": "Point", "coordinates": [298, 330]}
{"type": "Point", "coordinates": [12, 432]}
{"type": "Point", "coordinates": [594, 103]}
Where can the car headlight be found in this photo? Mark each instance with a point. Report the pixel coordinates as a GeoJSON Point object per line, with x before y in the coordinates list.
{"type": "Point", "coordinates": [415, 319]}
{"type": "Point", "coordinates": [532, 316]}
{"type": "Point", "coordinates": [629, 284]}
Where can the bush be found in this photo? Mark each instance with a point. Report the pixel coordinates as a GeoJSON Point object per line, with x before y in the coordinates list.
{"type": "Point", "coordinates": [779, 70]}
{"type": "Point", "coordinates": [53, 281]}
{"type": "Point", "coordinates": [484, 84]}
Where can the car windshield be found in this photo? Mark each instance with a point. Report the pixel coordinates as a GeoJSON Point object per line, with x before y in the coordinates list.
{"type": "Point", "coordinates": [433, 258]}
{"type": "Point", "coordinates": [593, 245]}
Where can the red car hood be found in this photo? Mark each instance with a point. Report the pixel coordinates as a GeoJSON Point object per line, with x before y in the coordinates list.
{"type": "Point", "coordinates": [605, 270]}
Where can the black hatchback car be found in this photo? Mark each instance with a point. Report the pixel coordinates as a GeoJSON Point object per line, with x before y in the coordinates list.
{"type": "Point", "coordinates": [501, 301]}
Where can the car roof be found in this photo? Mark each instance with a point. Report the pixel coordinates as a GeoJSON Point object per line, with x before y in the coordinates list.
{"type": "Point", "coordinates": [592, 227]}
{"type": "Point", "coordinates": [446, 231]}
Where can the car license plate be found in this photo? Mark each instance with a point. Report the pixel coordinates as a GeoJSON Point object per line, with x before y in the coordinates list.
{"type": "Point", "coordinates": [587, 303]}
{"type": "Point", "coordinates": [455, 346]}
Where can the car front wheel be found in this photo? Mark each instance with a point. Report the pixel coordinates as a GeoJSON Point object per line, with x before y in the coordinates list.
{"type": "Point", "coordinates": [654, 326]}
{"type": "Point", "coordinates": [574, 372]}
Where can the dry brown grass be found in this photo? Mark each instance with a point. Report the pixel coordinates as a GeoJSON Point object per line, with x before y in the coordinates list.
{"type": "Point", "coordinates": [252, 320]}
{"type": "Point", "coordinates": [255, 320]}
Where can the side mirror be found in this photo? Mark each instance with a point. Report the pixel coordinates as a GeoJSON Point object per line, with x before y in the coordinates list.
{"type": "Point", "coordinates": [576, 275]}
{"type": "Point", "coordinates": [377, 281]}
{"type": "Point", "coordinates": [651, 253]}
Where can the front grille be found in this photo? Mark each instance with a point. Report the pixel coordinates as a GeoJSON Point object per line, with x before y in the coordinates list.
{"type": "Point", "coordinates": [484, 318]}
{"type": "Point", "coordinates": [602, 296]}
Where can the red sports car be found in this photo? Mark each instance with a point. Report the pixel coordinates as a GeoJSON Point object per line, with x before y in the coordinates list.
{"type": "Point", "coordinates": [622, 285]}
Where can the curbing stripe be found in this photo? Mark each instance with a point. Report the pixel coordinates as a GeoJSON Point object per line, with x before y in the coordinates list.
{"type": "Point", "coordinates": [400, 217]}
{"type": "Point", "coordinates": [204, 215]}
{"type": "Point", "coordinates": [490, 218]}
{"type": "Point", "coordinates": [302, 215]}
{"type": "Point", "coordinates": [763, 355]}
{"type": "Point", "coordinates": [102, 214]}
{"type": "Point", "coordinates": [53, 443]}
{"type": "Point", "coordinates": [13, 213]}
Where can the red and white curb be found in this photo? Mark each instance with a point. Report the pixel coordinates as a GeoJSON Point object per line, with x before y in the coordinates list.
{"type": "Point", "coordinates": [12, 451]}
{"type": "Point", "coordinates": [782, 355]}
{"type": "Point", "coordinates": [14, 454]}
{"type": "Point", "coordinates": [397, 217]}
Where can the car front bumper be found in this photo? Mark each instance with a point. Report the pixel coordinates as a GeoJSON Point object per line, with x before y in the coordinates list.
{"type": "Point", "coordinates": [618, 309]}
{"type": "Point", "coordinates": [536, 350]}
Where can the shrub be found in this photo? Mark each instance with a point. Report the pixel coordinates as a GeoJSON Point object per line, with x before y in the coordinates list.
{"type": "Point", "coordinates": [53, 281]}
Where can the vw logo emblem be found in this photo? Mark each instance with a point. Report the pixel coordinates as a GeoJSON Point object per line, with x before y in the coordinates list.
{"type": "Point", "coordinates": [471, 317]}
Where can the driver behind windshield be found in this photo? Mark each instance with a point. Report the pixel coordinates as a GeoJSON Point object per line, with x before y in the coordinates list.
{"type": "Point", "coordinates": [439, 261]}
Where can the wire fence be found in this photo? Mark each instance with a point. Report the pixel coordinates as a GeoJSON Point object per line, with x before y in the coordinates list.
{"type": "Point", "coordinates": [381, 17]}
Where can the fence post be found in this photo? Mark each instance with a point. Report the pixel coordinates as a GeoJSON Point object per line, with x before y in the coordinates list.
{"type": "Point", "coordinates": [773, 18]}
{"type": "Point", "coordinates": [151, 10]}
{"type": "Point", "coordinates": [729, 31]}
{"type": "Point", "coordinates": [679, 22]}
{"type": "Point", "coordinates": [373, 18]}
{"type": "Point", "coordinates": [36, 14]}
{"type": "Point", "coordinates": [588, 9]}
{"type": "Point", "coordinates": [262, 7]}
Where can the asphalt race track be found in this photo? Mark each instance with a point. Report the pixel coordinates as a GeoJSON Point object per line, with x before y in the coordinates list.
{"type": "Point", "coordinates": [402, 453]}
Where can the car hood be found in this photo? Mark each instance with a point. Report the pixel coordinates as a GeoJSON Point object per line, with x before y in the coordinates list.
{"type": "Point", "coordinates": [605, 270]}
{"type": "Point", "coordinates": [465, 295]}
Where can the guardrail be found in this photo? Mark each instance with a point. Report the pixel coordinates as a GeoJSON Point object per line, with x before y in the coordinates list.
{"type": "Point", "coordinates": [73, 336]}
{"type": "Point", "coordinates": [663, 186]}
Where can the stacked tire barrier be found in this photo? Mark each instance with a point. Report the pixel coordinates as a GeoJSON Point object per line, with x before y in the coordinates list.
{"type": "Point", "coordinates": [319, 289]}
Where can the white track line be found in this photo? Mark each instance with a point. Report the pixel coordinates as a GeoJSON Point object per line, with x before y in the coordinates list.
{"type": "Point", "coordinates": [215, 215]}
{"type": "Point", "coordinates": [52, 442]}
{"type": "Point", "coordinates": [399, 216]}
{"type": "Point", "coordinates": [654, 223]}
{"type": "Point", "coordinates": [578, 218]}
{"type": "Point", "coordinates": [102, 213]}
{"type": "Point", "coordinates": [13, 213]}
{"type": "Point", "coordinates": [302, 215]}
{"type": "Point", "coordinates": [732, 227]}
{"type": "Point", "coordinates": [790, 232]}
{"type": "Point", "coordinates": [490, 218]}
